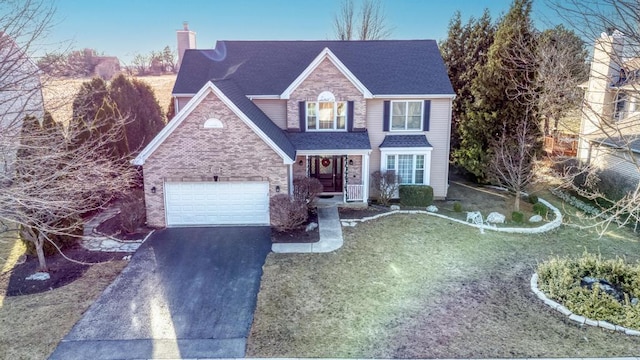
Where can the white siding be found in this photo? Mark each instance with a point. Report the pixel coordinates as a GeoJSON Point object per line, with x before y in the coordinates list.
{"type": "Point", "coordinates": [438, 135]}
{"type": "Point", "coordinates": [276, 110]}
{"type": "Point", "coordinates": [605, 158]}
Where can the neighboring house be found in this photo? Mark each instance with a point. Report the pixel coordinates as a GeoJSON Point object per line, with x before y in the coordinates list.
{"type": "Point", "coordinates": [253, 115]}
{"type": "Point", "coordinates": [20, 96]}
{"type": "Point", "coordinates": [610, 125]}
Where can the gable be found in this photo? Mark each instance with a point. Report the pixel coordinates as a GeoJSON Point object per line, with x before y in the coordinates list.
{"type": "Point", "coordinates": [262, 127]}
{"type": "Point", "coordinates": [326, 61]}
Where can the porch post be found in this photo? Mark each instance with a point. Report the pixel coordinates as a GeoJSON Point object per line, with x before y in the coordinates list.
{"type": "Point", "coordinates": [365, 178]}
{"type": "Point", "coordinates": [345, 177]}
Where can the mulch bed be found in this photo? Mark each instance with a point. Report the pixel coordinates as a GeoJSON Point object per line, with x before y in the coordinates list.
{"type": "Point", "coordinates": [299, 235]}
{"type": "Point", "coordinates": [360, 213]}
{"type": "Point", "coordinates": [61, 270]}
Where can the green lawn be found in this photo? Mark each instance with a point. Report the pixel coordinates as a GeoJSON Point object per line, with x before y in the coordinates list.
{"type": "Point", "coordinates": [408, 286]}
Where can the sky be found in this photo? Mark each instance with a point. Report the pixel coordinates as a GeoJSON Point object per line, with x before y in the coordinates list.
{"type": "Point", "coordinates": [125, 28]}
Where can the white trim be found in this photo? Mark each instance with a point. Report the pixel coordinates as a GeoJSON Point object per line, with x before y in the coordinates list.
{"type": "Point", "coordinates": [365, 178]}
{"type": "Point", "coordinates": [406, 115]}
{"type": "Point", "coordinates": [183, 94]}
{"type": "Point", "coordinates": [426, 151]}
{"type": "Point", "coordinates": [335, 114]}
{"type": "Point", "coordinates": [208, 88]}
{"type": "Point", "coordinates": [332, 152]}
{"type": "Point", "coordinates": [263, 97]}
{"type": "Point", "coordinates": [415, 96]}
{"type": "Point", "coordinates": [326, 54]}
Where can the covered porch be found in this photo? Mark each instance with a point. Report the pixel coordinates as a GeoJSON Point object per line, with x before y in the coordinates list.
{"type": "Point", "coordinates": [338, 159]}
{"type": "Point", "coordinates": [345, 176]}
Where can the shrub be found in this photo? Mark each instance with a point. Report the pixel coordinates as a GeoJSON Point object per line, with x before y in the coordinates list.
{"type": "Point", "coordinates": [540, 209]}
{"type": "Point", "coordinates": [560, 279]}
{"type": "Point", "coordinates": [532, 199]}
{"type": "Point", "coordinates": [132, 214]}
{"type": "Point", "coordinates": [62, 241]}
{"type": "Point", "coordinates": [517, 217]}
{"type": "Point", "coordinates": [306, 190]}
{"type": "Point", "coordinates": [416, 195]}
{"type": "Point", "coordinates": [457, 207]}
{"type": "Point", "coordinates": [287, 213]}
{"type": "Point", "coordinates": [387, 184]}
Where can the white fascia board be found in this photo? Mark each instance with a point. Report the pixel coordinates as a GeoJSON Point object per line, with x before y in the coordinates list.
{"type": "Point", "coordinates": [263, 97]}
{"type": "Point", "coordinates": [188, 108]}
{"type": "Point", "coordinates": [182, 95]}
{"type": "Point", "coordinates": [172, 125]}
{"type": "Point", "coordinates": [405, 150]}
{"type": "Point", "coordinates": [415, 96]}
{"type": "Point", "coordinates": [326, 54]}
{"type": "Point", "coordinates": [333, 152]}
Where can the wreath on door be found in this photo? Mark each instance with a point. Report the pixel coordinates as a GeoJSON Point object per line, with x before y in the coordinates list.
{"type": "Point", "coordinates": [326, 162]}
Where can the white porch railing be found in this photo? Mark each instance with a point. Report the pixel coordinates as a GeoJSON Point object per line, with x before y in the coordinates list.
{"type": "Point", "coordinates": [354, 192]}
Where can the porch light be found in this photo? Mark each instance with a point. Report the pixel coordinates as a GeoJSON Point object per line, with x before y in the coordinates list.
{"type": "Point", "coordinates": [153, 190]}
{"type": "Point", "coordinates": [350, 161]}
{"type": "Point", "coordinates": [278, 188]}
{"type": "Point", "coordinates": [300, 162]}
{"type": "Point", "coordinates": [215, 177]}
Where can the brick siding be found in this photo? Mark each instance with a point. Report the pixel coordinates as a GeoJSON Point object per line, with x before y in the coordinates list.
{"type": "Point", "coordinates": [326, 77]}
{"type": "Point", "coordinates": [192, 153]}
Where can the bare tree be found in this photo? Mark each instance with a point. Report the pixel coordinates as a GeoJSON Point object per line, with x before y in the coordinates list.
{"type": "Point", "coordinates": [609, 164]}
{"type": "Point", "coordinates": [371, 23]}
{"type": "Point", "coordinates": [44, 177]}
{"type": "Point", "coordinates": [512, 165]}
{"type": "Point", "coordinates": [387, 184]}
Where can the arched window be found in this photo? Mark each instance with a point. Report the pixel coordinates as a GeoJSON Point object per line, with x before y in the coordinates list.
{"type": "Point", "coordinates": [326, 113]}
{"type": "Point", "coordinates": [213, 123]}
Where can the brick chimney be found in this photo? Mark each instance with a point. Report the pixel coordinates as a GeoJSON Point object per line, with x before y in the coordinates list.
{"type": "Point", "coordinates": [186, 40]}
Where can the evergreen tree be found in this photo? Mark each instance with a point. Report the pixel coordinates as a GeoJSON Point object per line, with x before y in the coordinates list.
{"type": "Point", "coordinates": [465, 53]}
{"type": "Point", "coordinates": [498, 103]}
{"type": "Point", "coordinates": [95, 114]}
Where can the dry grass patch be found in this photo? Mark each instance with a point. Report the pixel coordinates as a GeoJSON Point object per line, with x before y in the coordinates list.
{"type": "Point", "coordinates": [415, 286]}
{"type": "Point", "coordinates": [32, 325]}
{"type": "Point", "coordinates": [59, 93]}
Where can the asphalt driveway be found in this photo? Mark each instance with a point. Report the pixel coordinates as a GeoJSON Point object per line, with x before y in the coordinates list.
{"type": "Point", "coordinates": [187, 293]}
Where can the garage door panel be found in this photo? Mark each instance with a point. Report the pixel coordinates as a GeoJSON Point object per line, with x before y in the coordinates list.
{"type": "Point", "coordinates": [217, 203]}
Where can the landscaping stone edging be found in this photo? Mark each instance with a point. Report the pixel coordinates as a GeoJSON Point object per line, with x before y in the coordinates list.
{"type": "Point", "coordinates": [578, 318]}
{"type": "Point", "coordinates": [93, 240]}
{"type": "Point", "coordinates": [537, 230]}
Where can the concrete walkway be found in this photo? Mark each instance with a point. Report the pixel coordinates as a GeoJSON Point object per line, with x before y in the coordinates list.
{"type": "Point", "coordinates": [330, 234]}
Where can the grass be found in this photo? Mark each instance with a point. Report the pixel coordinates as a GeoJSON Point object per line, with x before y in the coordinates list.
{"type": "Point", "coordinates": [32, 325]}
{"type": "Point", "coordinates": [407, 286]}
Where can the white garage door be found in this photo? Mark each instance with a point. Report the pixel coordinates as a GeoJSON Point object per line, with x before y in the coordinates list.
{"type": "Point", "coordinates": [217, 203]}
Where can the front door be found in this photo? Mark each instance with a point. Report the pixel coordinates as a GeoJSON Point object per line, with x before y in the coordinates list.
{"type": "Point", "coordinates": [327, 169]}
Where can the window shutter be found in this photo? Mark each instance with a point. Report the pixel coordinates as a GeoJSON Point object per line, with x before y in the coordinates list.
{"type": "Point", "coordinates": [349, 116]}
{"type": "Point", "coordinates": [386, 115]}
{"type": "Point", "coordinates": [302, 112]}
{"type": "Point", "coordinates": [427, 114]}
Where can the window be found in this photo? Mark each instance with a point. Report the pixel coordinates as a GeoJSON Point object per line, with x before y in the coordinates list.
{"type": "Point", "coordinates": [406, 115]}
{"type": "Point", "coordinates": [326, 115]}
{"type": "Point", "coordinates": [621, 102]}
{"type": "Point", "coordinates": [409, 168]}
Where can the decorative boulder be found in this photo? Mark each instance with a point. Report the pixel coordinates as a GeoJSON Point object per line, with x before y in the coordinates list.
{"type": "Point", "coordinates": [312, 226]}
{"type": "Point", "coordinates": [395, 207]}
{"type": "Point", "coordinates": [474, 217]}
{"type": "Point", "coordinates": [535, 219]}
{"type": "Point", "coordinates": [432, 208]}
{"type": "Point", "coordinates": [495, 218]}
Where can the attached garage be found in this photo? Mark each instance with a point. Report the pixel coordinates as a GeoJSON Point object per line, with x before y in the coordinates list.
{"type": "Point", "coordinates": [216, 203]}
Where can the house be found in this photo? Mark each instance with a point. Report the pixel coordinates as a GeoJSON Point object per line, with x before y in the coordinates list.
{"type": "Point", "coordinates": [20, 96]}
{"type": "Point", "coordinates": [253, 115]}
{"type": "Point", "coordinates": [610, 126]}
